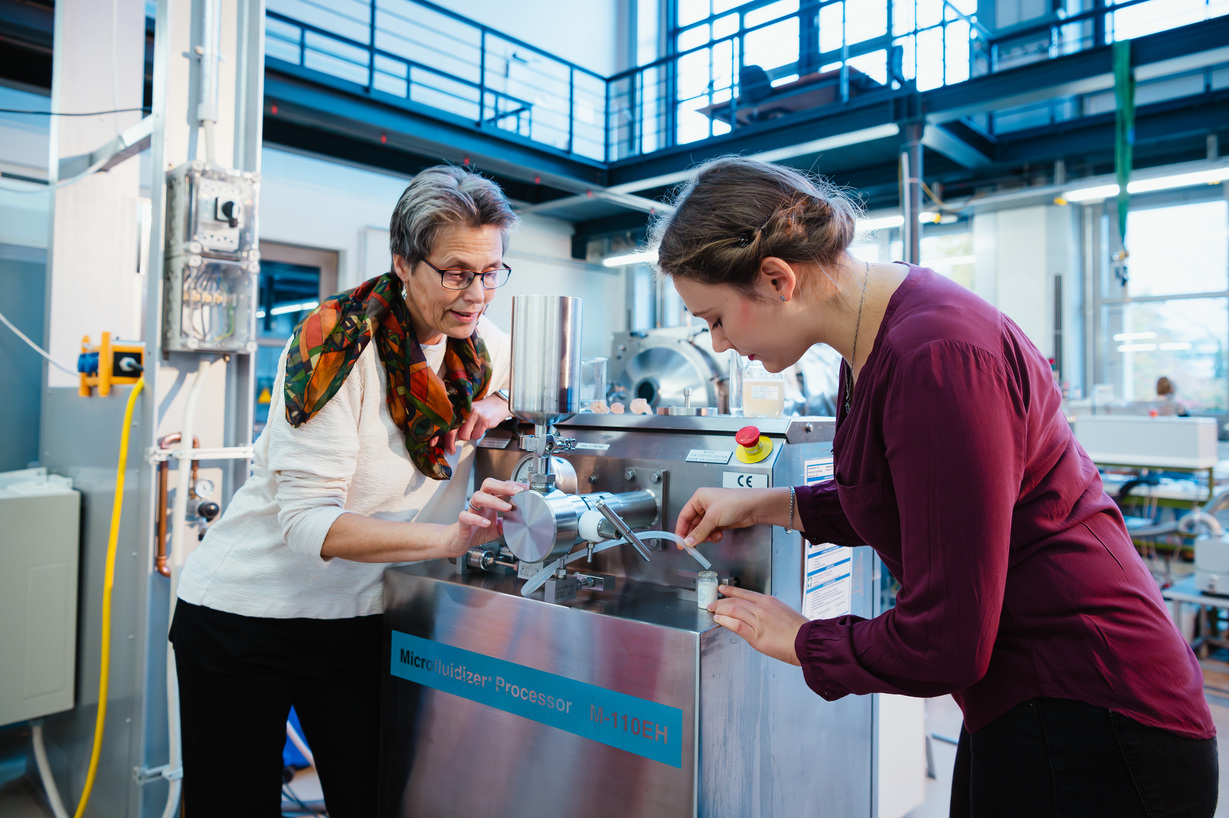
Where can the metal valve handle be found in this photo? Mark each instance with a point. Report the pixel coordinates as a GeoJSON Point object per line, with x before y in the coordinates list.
{"type": "Point", "coordinates": [621, 527]}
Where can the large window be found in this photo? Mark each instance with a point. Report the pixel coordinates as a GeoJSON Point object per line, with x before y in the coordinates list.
{"type": "Point", "coordinates": [1171, 316]}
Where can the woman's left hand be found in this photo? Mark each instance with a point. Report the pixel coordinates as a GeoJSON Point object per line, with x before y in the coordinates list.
{"type": "Point", "coordinates": [768, 624]}
{"type": "Point", "coordinates": [477, 522]}
{"type": "Point", "coordinates": [486, 414]}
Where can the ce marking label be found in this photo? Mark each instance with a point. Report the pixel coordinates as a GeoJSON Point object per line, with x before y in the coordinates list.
{"type": "Point", "coordinates": [742, 480]}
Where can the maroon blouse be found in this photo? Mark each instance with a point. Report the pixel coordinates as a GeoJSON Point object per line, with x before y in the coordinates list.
{"type": "Point", "coordinates": [1018, 578]}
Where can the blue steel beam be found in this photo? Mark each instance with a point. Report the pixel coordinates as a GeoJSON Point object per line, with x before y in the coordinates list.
{"type": "Point", "coordinates": [959, 148]}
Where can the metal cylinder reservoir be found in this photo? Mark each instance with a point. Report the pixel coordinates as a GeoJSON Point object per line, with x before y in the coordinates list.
{"type": "Point", "coordinates": [545, 358]}
{"type": "Point", "coordinates": [542, 527]}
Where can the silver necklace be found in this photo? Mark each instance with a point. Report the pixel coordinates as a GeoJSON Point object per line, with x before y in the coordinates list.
{"type": "Point", "coordinates": [857, 326]}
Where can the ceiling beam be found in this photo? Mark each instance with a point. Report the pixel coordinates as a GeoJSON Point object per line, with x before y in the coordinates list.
{"type": "Point", "coordinates": [943, 139]}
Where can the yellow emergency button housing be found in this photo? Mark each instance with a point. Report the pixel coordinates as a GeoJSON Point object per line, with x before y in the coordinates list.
{"type": "Point", "coordinates": [752, 446]}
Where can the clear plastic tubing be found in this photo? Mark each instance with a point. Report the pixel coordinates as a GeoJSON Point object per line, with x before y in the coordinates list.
{"type": "Point", "coordinates": [539, 579]}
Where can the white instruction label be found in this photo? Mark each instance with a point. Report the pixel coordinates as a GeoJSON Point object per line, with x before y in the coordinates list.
{"type": "Point", "coordinates": [827, 581]}
{"type": "Point", "coordinates": [742, 480]}
{"type": "Point", "coordinates": [596, 447]}
{"type": "Point", "coordinates": [817, 471]}
{"type": "Point", "coordinates": [708, 456]}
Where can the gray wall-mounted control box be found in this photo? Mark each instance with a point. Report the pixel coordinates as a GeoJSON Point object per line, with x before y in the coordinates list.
{"type": "Point", "coordinates": [212, 260]}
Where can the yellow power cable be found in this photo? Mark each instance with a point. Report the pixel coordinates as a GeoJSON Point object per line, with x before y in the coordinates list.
{"type": "Point", "coordinates": [108, 587]}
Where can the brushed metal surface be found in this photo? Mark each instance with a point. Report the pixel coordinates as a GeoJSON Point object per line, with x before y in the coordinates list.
{"type": "Point", "coordinates": [545, 358]}
{"type": "Point", "coordinates": [762, 745]}
{"type": "Point", "coordinates": [447, 756]}
{"type": "Point", "coordinates": [540, 526]}
{"type": "Point", "coordinates": [757, 742]}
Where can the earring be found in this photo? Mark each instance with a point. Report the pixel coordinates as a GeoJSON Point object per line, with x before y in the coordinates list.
{"type": "Point", "coordinates": [782, 298]}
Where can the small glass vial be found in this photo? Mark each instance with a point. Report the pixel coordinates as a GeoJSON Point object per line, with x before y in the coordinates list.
{"type": "Point", "coordinates": [706, 589]}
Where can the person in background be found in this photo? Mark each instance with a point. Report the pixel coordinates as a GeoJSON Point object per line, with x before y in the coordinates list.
{"type": "Point", "coordinates": [359, 466]}
{"type": "Point", "coordinates": [1167, 398]}
{"type": "Point", "coordinates": [1021, 593]}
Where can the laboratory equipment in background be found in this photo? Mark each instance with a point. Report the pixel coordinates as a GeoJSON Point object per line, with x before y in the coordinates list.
{"type": "Point", "coordinates": [592, 381]}
{"type": "Point", "coordinates": [40, 518]}
{"type": "Point", "coordinates": [571, 665]}
{"type": "Point", "coordinates": [658, 364]}
{"type": "Point", "coordinates": [1154, 442]}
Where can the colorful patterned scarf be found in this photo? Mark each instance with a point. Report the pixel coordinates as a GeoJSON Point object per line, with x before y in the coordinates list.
{"type": "Point", "coordinates": [333, 336]}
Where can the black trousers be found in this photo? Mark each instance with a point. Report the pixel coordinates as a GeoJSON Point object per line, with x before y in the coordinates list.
{"type": "Point", "coordinates": [1054, 757]}
{"type": "Point", "coordinates": [238, 678]}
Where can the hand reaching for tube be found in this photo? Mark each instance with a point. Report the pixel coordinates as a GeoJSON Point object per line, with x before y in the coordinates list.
{"type": "Point", "coordinates": [710, 512]}
{"type": "Point", "coordinates": [768, 624]}
{"type": "Point", "coordinates": [477, 522]}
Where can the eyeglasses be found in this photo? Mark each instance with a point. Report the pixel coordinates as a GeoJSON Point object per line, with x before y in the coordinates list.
{"type": "Point", "coordinates": [460, 279]}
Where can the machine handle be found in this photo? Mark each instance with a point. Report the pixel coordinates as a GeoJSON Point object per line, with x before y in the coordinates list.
{"type": "Point", "coordinates": [620, 526]}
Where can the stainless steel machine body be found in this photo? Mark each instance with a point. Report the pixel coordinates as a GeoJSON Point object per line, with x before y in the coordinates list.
{"type": "Point", "coordinates": [630, 701]}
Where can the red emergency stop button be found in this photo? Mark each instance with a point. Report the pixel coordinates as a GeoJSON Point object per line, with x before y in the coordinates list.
{"type": "Point", "coordinates": [752, 446]}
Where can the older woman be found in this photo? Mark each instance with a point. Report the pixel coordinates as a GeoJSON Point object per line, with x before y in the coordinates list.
{"type": "Point", "coordinates": [281, 603]}
{"type": "Point", "coordinates": [1021, 593]}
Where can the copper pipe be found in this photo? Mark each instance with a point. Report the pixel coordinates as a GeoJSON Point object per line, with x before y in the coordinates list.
{"type": "Point", "coordinates": [160, 513]}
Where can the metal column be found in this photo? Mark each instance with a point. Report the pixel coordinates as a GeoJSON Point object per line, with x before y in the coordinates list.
{"type": "Point", "coordinates": [911, 190]}
{"type": "Point", "coordinates": [97, 284]}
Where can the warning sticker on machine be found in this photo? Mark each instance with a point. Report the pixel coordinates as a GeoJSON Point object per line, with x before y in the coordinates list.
{"type": "Point", "coordinates": [639, 726]}
{"type": "Point", "coordinates": [708, 456]}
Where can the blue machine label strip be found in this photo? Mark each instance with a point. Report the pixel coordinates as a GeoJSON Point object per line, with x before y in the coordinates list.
{"type": "Point", "coordinates": [615, 719]}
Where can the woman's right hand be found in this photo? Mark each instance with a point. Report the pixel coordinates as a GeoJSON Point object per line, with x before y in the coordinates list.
{"type": "Point", "coordinates": [477, 523]}
{"type": "Point", "coordinates": [710, 512]}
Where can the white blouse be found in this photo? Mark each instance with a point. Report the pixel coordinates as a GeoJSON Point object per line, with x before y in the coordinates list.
{"type": "Point", "coordinates": [262, 558]}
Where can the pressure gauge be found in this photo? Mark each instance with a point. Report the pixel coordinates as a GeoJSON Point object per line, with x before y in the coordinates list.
{"type": "Point", "coordinates": [203, 488]}
{"type": "Point", "coordinates": [565, 475]}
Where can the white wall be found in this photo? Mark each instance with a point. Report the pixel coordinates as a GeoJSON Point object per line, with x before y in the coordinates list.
{"type": "Point", "coordinates": [593, 34]}
{"type": "Point", "coordinates": [313, 203]}
{"type": "Point", "coordinates": [1013, 269]}
{"type": "Point", "coordinates": [326, 205]}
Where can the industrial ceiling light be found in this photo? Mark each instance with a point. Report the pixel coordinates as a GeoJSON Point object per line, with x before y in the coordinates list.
{"type": "Point", "coordinates": [867, 225]}
{"type": "Point", "coordinates": [1213, 176]}
{"type": "Point", "coordinates": [649, 257]}
{"type": "Point", "coordinates": [888, 222]}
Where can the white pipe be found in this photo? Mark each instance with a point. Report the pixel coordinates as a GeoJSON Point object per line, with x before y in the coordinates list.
{"type": "Point", "coordinates": [207, 88]}
{"type": "Point", "coordinates": [44, 772]}
{"type": "Point", "coordinates": [180, 512]}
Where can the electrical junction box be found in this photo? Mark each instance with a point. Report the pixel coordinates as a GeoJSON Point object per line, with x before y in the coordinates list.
{"type": "Point", "coordinates": [212, 260]}
{"type": "Point", "coordinates": [39, 515]}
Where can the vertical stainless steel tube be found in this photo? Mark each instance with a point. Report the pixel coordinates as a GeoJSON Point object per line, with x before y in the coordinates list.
{"type": "Point", "coordinates": [545, 358]}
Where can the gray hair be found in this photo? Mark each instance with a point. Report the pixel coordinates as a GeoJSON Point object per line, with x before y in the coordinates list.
{"type": "Point", "coordinates": [443, 195]}
{"type": "Point", "coordinates": [737, 211]}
